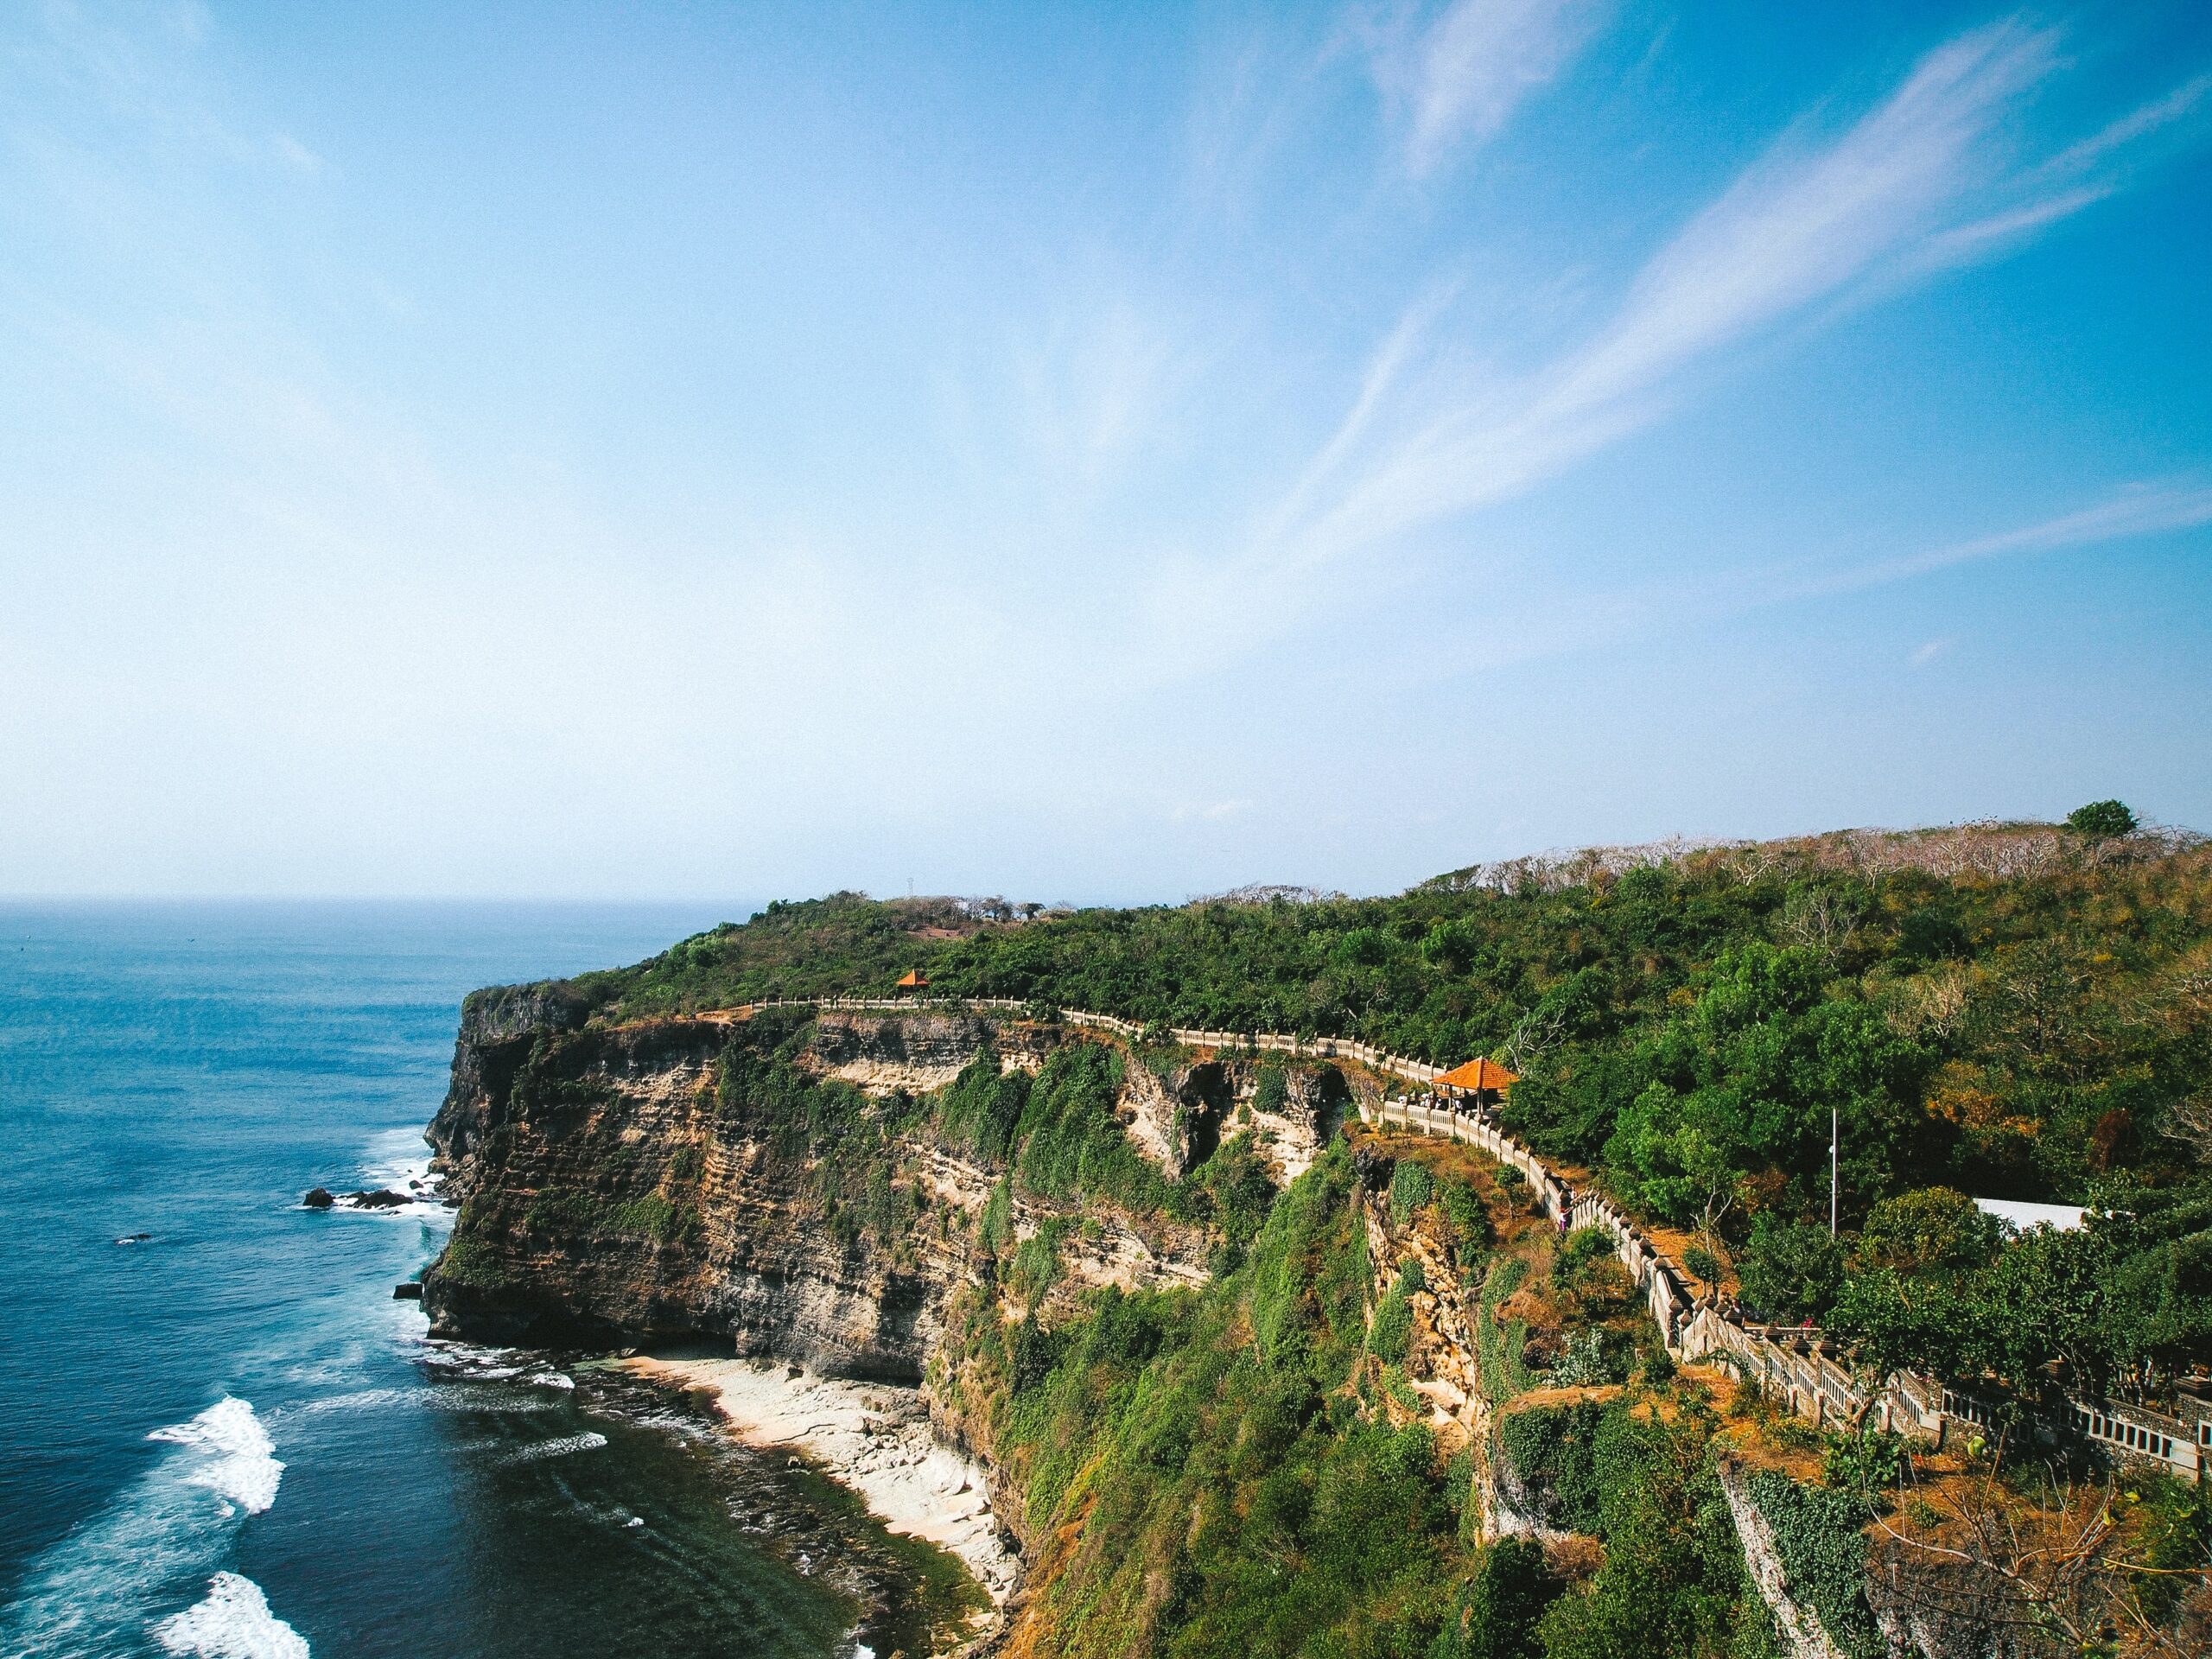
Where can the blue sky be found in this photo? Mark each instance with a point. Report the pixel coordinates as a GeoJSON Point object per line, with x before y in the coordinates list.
{"type": "Point", "coordinates": [1085, 454]}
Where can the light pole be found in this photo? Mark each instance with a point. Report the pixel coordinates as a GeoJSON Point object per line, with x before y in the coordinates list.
{"type": "Point", "coordinates": [1835, 1124]}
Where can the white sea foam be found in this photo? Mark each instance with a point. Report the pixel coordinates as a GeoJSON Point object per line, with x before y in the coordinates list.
{"type": "Point", "coordinates": [398, 1161]}
{"type": "Point", "coordinates": [590, 1440]}
{"type": "Point", "coordinates": [359, 1400]}
{"type": "Point", "coordinates": [458, 1395]}
{"type": "Point", "coordinates": [233, 1623]}
{"type": "Point", "coordinates": [240, 1462]}
{"type": "Point", "coordinates": [92, 1591]}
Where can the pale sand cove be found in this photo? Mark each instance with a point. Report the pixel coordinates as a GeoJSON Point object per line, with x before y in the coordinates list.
{"type": "Point", "coordinates": [872, 1438]}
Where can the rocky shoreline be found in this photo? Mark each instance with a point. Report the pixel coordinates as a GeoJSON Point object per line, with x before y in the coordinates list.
{"type": "Point", "coordinates": [873, 1439]}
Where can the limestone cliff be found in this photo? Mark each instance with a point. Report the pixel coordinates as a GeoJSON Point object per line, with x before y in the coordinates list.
{"type": "Point", "coordinates": [612, 1196]}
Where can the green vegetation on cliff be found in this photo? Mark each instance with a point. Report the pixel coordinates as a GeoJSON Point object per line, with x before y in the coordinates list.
{"type": "Point", "coordinates": [1249, 1467]}
{"type": "Point", "coordinates": [1206, 1474]}
{"type": "Point", "coordinates": [1689, 1024]}
{"type": "Point", "coordinates": [2008, 1011]}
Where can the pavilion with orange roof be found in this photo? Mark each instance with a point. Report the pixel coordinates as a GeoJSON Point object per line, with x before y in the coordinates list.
{"type": "Point", "coordinates": [1478, 1077]}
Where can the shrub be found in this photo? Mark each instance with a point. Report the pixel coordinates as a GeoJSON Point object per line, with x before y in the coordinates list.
{"type": "Point", "coordinates": [1271, 1093]}
{"type": "Point", "coordinates": [1471, 1232]}
{"type": "Point", "coordinates": [1411, 1186]}
{"type": "Point", "coordinates": [655, 1217]}
{"type": "Point", "coordinates": [1070, 1145]}
{"type": "Point", "coordinates": [1501, 1603]}
{"type": "Point", "coordinates": [1867, 1463]}
{"type": "Point", "coordinates": [563, 1211]}
{"type": "Point", "coordinates": [470, 1262]}
{"type": "Point", "coordinates": [1393, 1328]}
{"type": "Point", "coordinates": [1037, 1261]}
{"type": "Point", "coordinates": [2101, 821]}
{"type": "Point", "coordinates": [1581, 1250]}
{"type": "Point", "coordinates": [997, 1224]}
{"type": "Point", "coordinates": [1553, 1450]}
{"type": "Point", "coordinates": [1497, 1347]}
{"type": "Point", "coordinates": [980, 1108]}
{"type": "Point", "coordinates": [1590, 1357]}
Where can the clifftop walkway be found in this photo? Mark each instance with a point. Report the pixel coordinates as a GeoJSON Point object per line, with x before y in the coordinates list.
{"type": "Point", "coordinates": [1801, 1367]}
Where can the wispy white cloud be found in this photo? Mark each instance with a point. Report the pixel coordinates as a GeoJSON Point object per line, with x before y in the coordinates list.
{"type": "Point", "coordinates": [2145, 510]}
{"type": "Point", "coordinates": [2184, 101]}
{"type": "Point", "coordinates": [1473, 65]}
{"type": "Point", "coordinates": [1524, 631]}
{"type": "Point", "coordinates": [1921, 180]}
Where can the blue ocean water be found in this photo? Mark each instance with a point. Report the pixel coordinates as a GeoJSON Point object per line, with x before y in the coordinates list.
{"type": "Point", "coordinates": [226, 1438]}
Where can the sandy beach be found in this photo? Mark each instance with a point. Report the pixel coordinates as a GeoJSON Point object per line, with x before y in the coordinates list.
{"type": "Point", "coordinates": [872, 1438]}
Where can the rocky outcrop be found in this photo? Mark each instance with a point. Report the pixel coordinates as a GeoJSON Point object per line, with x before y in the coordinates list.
{"type": "Point", "coordinates": [606, 1202]}
{"type": "Point", "coordinates": [1180, 1115]}
{"type": "Point", "coordinates": [498, 1027]}
{"type": "Point", "coordinates": [919, 1052]}
{"type": "Point", "coordinates": [1799, 1626]}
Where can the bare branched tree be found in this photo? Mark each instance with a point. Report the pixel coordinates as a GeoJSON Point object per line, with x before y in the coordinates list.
{"type": "Point", "coordinates": [2189, 1121]}
{"type": "Point", "coordinates": [1534, 1035]}
{"type": "Point", "coordinates": [1935, 1001]}
{"type": "Point", "coordinates": [1986, 1566]}
{"type": "Point", "coordinates": [1818, 919]}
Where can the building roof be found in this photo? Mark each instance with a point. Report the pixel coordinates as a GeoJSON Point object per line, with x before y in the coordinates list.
{"type": "Point", "coordinates": [2060, 1217]}
{"type": "Point", "coordinates": [914, 981]}
{"type": "Point", "coordinates": [1477, 1075]}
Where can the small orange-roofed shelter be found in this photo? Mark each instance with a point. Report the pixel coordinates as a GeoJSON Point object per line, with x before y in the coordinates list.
{"type": "Point", "coordinates": [915, 980]}
{"type": "Point", "coordinates": [1478, 1077]}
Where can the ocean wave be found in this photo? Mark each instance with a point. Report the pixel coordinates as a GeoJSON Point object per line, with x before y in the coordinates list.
{"type": "Point", "coordinates": [233, 1623]}
{"type": "Point", "coordinates": [90, 1593]}
{"type": "Point", "coordinates": [590, 1440]}
{"type": "Point", "coordinates": [241, 1462]}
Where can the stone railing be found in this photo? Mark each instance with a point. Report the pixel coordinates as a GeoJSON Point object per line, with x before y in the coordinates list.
{"type": "Point", "coordinates": [1799, 1368]}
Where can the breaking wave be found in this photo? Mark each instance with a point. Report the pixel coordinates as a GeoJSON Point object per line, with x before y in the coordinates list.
{"type": "Point", "coordinates": [90, 1594]}
{"type": "Point", "coordinates": [233, 1623]}
{"type": "Point", "coordinates": [241, 1462]}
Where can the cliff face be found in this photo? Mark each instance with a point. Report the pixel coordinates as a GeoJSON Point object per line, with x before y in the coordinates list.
{"type": "Point", "coordinates": [610, 1196]}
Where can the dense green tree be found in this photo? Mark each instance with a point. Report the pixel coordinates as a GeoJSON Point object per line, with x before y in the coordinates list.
{"type": "Point", "coordinates": [2101, 821]}
{"type": "Point", "coordinates": [1791, 1270]}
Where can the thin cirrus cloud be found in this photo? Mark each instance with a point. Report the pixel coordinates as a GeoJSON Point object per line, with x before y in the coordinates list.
{"type": "Point", "coordinates": [1471, 69]}
{"type": "Point", "coordinates": [1671, 604]}
{"type": "Point", "coordinates": [2149, 510]}
{"type": "Point", "coordinates": [1918, 182]}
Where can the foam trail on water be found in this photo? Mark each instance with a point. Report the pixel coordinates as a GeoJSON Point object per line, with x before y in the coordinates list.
{"type": "Point", "coordinates": [233, 1623]}
{"type": "Point", "coordinates": [241, 1463]}
{"type": "Point", "coordinates": [590, 1440]}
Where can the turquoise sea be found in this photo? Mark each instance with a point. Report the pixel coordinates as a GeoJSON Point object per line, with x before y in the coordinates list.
{"type": "Point", "coordinates": [225, 1438]}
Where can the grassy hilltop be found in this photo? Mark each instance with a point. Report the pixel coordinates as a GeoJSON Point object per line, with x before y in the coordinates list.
{"type": "Point", "coordinates": [2017, 1010]}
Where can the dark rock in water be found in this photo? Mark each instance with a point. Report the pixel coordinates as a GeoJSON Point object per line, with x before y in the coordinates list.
{"type": "Point", "coordinates": [386, 1200]}
{"type": "Point", "coordinates": [318, 1199]}
{"type": "Point", "coordinates": [408, 1292]}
